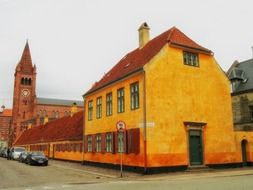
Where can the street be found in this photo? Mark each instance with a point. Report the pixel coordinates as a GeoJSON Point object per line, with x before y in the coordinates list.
{"type": "Point", "coordinates": [18, 175]}
{"type": "Point", "coordinates": [67, 175]}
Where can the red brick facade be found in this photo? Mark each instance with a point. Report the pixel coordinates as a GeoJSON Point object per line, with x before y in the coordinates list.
{"type": "Point", "coordinates": [28, 110]}
{"type": "Point", "coordinates": [5, 122]}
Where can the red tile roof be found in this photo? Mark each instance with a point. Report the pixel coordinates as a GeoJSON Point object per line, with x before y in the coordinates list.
{"type": "Point", "coordinates": [66, 128]}
{"type": "Point", "coordinates": [135, 60]}
{"type": "Point", "coordinates": [6, 113]}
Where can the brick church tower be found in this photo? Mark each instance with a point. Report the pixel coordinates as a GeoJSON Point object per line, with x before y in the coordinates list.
{"type": "Point", "coordinates": [24, 92]}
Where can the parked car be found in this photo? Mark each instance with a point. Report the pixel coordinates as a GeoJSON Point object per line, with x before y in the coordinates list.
{"type": "Point", "coordinates": [37, 158]}
{"type": "Point", "coordinates": [3, 153]}
{"type": "Point", "coordinates": [23, 156]}
{"type": "Point", "coordinates": [16, 151]}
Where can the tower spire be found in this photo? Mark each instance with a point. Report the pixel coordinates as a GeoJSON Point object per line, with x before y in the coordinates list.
{"type": "Point", "coordinates": [25, 62]}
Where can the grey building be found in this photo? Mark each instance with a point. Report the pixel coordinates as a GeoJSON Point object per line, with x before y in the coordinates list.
{"type": "Point", "coordinates": [240, 75]}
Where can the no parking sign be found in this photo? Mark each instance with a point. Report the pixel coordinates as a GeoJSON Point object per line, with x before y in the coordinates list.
{"type": "Point", "coordinates": [121, 126]}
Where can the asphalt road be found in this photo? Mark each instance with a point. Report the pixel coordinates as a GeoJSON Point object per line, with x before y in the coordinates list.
{"type": "Point", "coordinates": [18, 175]}
{"type": "Point", "coordinates": [72, 176]}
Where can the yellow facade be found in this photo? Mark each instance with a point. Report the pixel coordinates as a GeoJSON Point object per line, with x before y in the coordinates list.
{"type": "Point", "coordinates": [248, 137]}
{"type": "Point", "coordinates": [108, 123]}
{"type": "Point", "coordinates": [171, 95]}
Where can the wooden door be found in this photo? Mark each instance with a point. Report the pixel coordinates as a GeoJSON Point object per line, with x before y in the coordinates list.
{"type": "Point", "coordinates": [195, 147]}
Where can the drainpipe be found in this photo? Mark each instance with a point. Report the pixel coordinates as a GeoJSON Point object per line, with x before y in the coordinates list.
{"type": "Point", "coordinates": [83, 140]}
{"type": "Point", "coordinates": [144, 123]}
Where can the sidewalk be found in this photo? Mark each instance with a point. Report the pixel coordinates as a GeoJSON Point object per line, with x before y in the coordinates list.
{"type": "Point", "coordinates": [115, 174]}
{"type": "Point", "coordinates": [99, 171]}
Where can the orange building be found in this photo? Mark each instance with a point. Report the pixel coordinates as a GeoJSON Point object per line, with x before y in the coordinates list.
{"type": "Point", "coordinates": [28, 109]}
{"type": "Point", "coordinates": [58, 139]}
{"type": "Point", "coordinates": [5, 124]}
{"type": "Point", "coordinates": [173, 101]}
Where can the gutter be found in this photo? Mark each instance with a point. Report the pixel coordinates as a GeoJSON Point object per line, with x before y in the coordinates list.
{"type": "Point", "coordinates": [113, 81]}
{"type": "Point", "coordinates": [144, 123]}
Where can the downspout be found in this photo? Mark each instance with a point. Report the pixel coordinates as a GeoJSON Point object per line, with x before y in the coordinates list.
{"type": "Point", "coordinates": [83, 136]}
{"type": "Point", "coordinates": [144, 123]}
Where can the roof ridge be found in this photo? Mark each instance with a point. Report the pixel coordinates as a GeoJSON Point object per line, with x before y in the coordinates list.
{"type": "Point", "coordinates": [171, 32]}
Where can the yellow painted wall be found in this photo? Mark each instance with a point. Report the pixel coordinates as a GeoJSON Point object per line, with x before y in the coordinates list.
{"type": "Point", "coordinates": [239, 137]}
{"type": "Point", "coordinates": [175, 93]}
{"type": "Point", "coordinates": [104, 124]}
{"type": "Point", "coordinates": [62, 155]}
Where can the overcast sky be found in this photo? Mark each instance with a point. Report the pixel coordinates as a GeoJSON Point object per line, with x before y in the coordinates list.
{"type": "Point", "coordinates": [74, 42]}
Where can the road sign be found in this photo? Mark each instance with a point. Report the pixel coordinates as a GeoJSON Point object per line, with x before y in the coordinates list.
{"type": "Point", "coordinates": [121, 126]}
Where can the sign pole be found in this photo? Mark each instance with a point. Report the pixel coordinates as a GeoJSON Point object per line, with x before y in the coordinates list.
{"type": "Point", "coordinates": [121, 127]}
{"type": "Point", "coordinates": [121, 163]}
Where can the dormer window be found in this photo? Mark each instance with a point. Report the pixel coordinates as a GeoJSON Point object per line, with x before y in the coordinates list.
{"type": "Point", "coordinates": [191, 59]}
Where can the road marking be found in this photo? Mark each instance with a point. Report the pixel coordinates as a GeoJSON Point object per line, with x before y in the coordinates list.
{"type": "Point", "coordinates": [65, 186]}
{"type": "Point", "coordinates": [48, 187]}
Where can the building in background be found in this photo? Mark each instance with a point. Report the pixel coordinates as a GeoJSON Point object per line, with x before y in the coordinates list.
{"type": "Point", "coordinates": [58, 139]}
{"type": "Point", "coordinates": [172, 101]}
{"type": "Point", "coordinates": [241, 77]}
{"type": "Point", "coordinates": [29, 110]}
{"type": "Point", "coordinates": [5, 126]}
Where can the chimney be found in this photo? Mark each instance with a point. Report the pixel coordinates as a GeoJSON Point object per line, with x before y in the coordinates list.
{"type": "Point", "coordinates": [73, 109]}
{"type": "Point", "coordinates": [45, 120]}
{"type": "Point", "coordinates": [143, 35]}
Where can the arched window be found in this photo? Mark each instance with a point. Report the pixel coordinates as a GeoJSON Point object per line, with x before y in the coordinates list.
{"type": "Point", "coordinates": [57, 114]}
{"type": "Point", "coordinates": [53, 114]}
{"type": "Point", "coordinates": [23, 115]}
{"type": "Point", "coordinates": [22, 81]}
{"type": "Point", "coordinates": [29, 81]}
{"type": "Point", "coordinates": [44, 113]}
{"type": "Point", "coordinates": [40, 113]}
{"type": "Point", "coordinates": [65, 113]}
{"type": "Point", "coordinates": [26, 81]}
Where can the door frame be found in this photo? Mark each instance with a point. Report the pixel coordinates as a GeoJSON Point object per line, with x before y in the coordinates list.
{"type": "Point", "coordinates": [195, 126]}
{"type": "Point", "coordinates": [244, 143]}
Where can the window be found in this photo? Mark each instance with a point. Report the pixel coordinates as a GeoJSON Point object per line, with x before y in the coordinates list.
{"type": "Point", "coordinates": [191, 59]}
{"type": "Point", "coordinates": [99, 107]}
{"type": "Point", "coordinates": [120, 141]}
{"type": "Point", "coordinates": [90, 110]}
{"type": "Point", "coordinates": [89, 143]}
{"type": "Point", "coordinates": [53, 114]}
{"type": "Point", "coordinates": [57, 114]}
{"type": "Point", "coordinates": [121, 106]}
{"type": "Point", "coordinates": [26, 81]}
{"type": "Point", "coordinates": [251, 112]}
{"type": "Point", "coordinates": [108, 142]}
{"type": "Point", "coordinates": [134, 95]}
{"type": "Point", "coordinates": [108, 104]}
{"type": "Point", "coordinates": [44, 113]}
{"type": "Point", "coordinates": [22, 81]}
{"type": "Point", "coordinates": [98, 143]}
